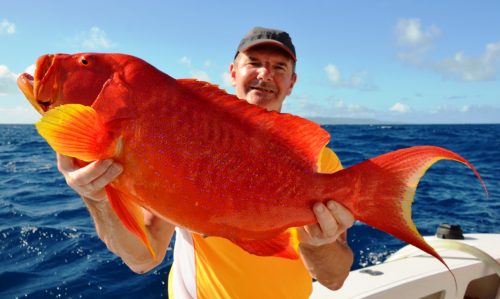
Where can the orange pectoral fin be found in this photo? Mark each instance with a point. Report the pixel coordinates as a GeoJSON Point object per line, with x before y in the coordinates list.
{"type": "Point", "coordinates": [130, 214]}
{"type": "Point", "coordinates": [284, 245]}
{"type": "Point", "coordinates": [77, 131]}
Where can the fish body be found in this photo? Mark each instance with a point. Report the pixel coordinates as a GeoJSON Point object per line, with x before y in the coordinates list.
{"type": "Point", "coordinates": [209, 162]}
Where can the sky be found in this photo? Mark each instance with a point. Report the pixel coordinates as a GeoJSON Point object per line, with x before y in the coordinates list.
{"type": "Point", "coordinates": [396, 61]}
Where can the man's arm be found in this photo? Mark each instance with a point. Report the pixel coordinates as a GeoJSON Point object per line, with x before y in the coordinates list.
{"type": "Point", "coordinates": [323, 246]}
{"type": "Point", "coordinates": [89, 182]}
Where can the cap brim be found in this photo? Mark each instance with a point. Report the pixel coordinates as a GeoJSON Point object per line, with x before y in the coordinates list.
{"type": "Point", "coordinates": [268, 42]}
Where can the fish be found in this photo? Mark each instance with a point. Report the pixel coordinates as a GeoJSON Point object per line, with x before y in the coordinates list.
{"type": "Point", "coordinates": [204, 160]}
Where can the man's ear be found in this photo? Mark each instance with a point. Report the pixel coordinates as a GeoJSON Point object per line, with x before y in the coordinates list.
{"type": "Point", "coordinates": [232, 74]}
{"type": "Point", "coordinates": [292, 83]}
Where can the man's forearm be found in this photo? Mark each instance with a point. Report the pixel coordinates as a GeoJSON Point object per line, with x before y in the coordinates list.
{"type": "Point", "coordinates": [329, 264]}
{"type": "Point", "coordinates": [123, 243]}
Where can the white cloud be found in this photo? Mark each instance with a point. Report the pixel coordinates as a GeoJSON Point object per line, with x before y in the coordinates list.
{"type": "Point", "coordinates": [398, 113]}
{"type": "Point", "coordinates": [351, 109]}
{"type": "Point", "coordinates": [465, 114]}
{"type": "Point", "coordinates": [358, 80]}
{"type": "Point", "coordinates": [226, 79]}
{"type": "Point", "coordinates": [8, 79]}
{"type": "Point", "coordinates": [30, 69]}
{"type": "Point", "coordinates": [332, 73]}
{"type": "Point", "coordinates": [94, 39]}
{"type": "Point", "coordinates": [400, 108]}
{"type": "Point", "coordinates": [409, 33]}
{"type": "Point", "coordinates": [185, 61]}
{"type": "Point", "coordinates": [7, 27]}
{"type": "Point", "coordinates": [200, 75]}
{"type": "Point", "coordinates": [328, 107]}
{"type": "Point", "coordinates": [19, 114]}
{"type": "Point", "coordinates": [465, 68]}
{"type": "Point", "coordinates": [195, 72]}
{"type": "Point", "coordinates": [414, 40]}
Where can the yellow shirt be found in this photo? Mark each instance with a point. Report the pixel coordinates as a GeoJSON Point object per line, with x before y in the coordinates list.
{"type": "Point", "coordinates": [216, 268]}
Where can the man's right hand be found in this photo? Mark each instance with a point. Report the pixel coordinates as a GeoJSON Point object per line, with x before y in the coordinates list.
{"type": "Point", "coordinates": [89, 181]}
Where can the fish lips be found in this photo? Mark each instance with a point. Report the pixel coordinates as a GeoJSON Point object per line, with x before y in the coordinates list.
{"type": "Point", "coordinates": [36, 88]}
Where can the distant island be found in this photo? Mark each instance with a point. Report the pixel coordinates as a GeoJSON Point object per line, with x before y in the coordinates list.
{"type": "Point", "coordinates": [348, 121]}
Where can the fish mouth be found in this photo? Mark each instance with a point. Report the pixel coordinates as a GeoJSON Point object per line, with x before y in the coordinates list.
{"type": "Point", "coordinates": [32, 86]}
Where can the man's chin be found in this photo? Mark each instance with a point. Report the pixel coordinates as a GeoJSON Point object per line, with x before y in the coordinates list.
{"type": "Point", "coordinates": [265, 102]}
{"type": "Point", "coordinates": [260, 101]}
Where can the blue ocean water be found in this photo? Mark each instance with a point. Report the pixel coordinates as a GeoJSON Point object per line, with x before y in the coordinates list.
{"type": "Point", "coordinates": [49, 249]}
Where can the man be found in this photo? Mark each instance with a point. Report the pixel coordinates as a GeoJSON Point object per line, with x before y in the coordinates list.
{"type": "Point", "coordinates": [263, 73]}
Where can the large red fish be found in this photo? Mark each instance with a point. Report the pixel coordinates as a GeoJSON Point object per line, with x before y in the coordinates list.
{"type": "Point", "coordinates": [209, 162]}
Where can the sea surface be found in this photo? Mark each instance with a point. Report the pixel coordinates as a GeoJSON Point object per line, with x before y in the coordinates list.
{"type": "Point", "coordinates": [49, 249]}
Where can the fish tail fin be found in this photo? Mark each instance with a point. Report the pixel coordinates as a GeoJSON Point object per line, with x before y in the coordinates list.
{"type": "Point", "coordinates": [387, 185]}
{"type": "Point", "coordinates": [130, 214]}
{"type": "Point", "coordinates": [77, 131]}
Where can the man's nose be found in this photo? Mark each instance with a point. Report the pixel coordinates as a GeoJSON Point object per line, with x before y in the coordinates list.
{"type": "Point", "coordinates": [265, 74]}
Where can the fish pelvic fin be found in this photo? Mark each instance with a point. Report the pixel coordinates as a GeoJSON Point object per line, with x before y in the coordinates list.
{"type": "Point", "coordinates": [284, 245]}
{"type": "Point", "coordinates": [77, 131]}
{"type": "Point", "coordinates": [130, 214]}
{"type": "Point", "coordinates": [388, 183]}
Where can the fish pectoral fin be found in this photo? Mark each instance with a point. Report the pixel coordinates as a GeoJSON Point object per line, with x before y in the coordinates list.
{"type": "Point", "coordinates": [130, 214]}
{"type": "Point", "coordinates": [77, 131]}
{"type": "Point", "coordinates": [283, 245]}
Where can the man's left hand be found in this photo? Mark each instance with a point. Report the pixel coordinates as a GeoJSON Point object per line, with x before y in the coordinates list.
{"type": "Point", "coordinates": [333, 221]}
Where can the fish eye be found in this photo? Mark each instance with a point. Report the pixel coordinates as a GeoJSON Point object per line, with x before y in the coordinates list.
{"type": "Point", "coordinates": [84, 61]}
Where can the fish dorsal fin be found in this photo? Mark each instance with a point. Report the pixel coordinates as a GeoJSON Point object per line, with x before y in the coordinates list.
{"type": "Point", "coordinates": [305, 137]}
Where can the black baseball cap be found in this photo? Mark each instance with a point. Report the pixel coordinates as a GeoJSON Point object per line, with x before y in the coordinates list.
{"type": "Point", "coordinates": [261, 35]}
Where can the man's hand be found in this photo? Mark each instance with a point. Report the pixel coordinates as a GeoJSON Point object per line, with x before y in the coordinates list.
{"type": "Point", "coordinates": [333, 221]}
{"type": "Point", "coordinates": [90, 180]}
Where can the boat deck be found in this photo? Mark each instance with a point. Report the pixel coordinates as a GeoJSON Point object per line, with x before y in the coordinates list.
{"type": "Point", "coordinates": [419, 275]}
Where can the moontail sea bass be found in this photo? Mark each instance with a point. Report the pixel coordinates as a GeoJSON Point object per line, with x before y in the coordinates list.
{"type": "Point", "coordinates": [209, 162]}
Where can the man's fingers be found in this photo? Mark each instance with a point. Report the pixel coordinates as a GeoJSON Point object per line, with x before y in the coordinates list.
{"type": "Point", "coordinates": [344, 217]}
{"type": "Point", "coordinates": [327, 222]}
{"type": "Point", "coordinates": [65, 163]}
{"type": "Point", "coordinates": [87, 174]}
{"type": "Point", "coordinates": [107, 177]}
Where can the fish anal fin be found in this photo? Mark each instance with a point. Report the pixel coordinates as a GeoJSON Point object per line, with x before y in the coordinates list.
{"type": "Point", "coordinates": [283, 245]}
{"type": "Point", "coordinates": [130, 214]}
{"type": "Point", "coordinates": [77, 131]}
{"type": "Point", "coordinates": [305, 138]}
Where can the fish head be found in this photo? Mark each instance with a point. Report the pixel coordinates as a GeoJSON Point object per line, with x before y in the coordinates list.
{"type": "Point", "coordinates": [67, 79]}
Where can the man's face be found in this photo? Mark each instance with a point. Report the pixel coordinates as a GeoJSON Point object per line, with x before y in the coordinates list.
{"type": "Point", "coordinates": [263, 76]}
